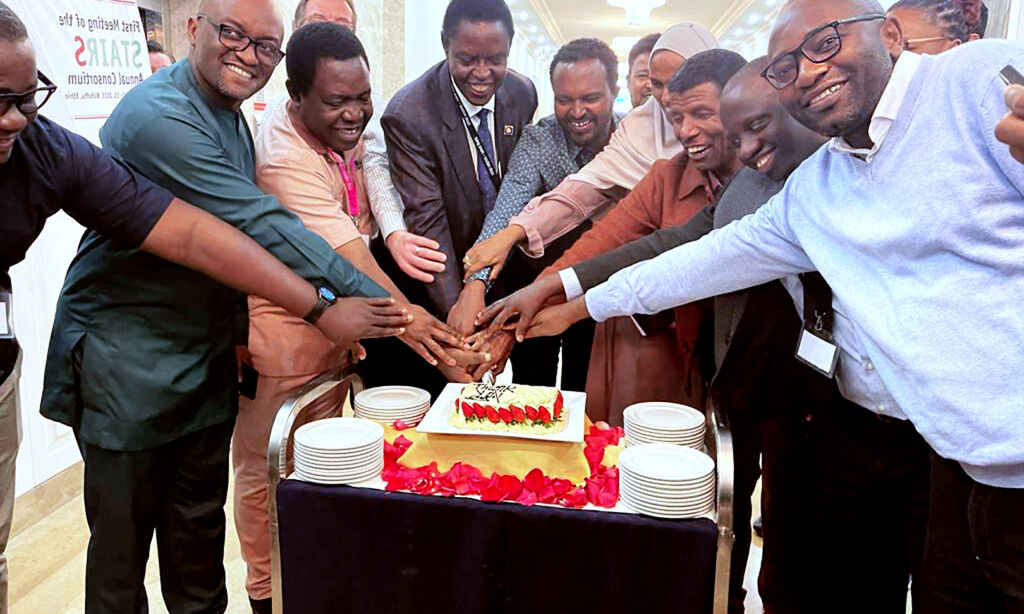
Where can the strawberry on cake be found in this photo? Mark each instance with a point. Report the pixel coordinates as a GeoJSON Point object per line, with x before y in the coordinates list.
{"type": "Point", "coordinates": [510, 408]}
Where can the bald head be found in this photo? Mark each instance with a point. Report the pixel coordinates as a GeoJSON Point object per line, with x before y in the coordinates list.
{"type": "Point", "coordinates": [11, 27]}
{"type": "Point", "coordinates": [796, 12]}
{"type": "Point", "coordinates": [749, 74]}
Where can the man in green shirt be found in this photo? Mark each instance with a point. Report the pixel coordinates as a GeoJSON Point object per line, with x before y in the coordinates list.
{"type": "Point", "coordinates": [142, 361]}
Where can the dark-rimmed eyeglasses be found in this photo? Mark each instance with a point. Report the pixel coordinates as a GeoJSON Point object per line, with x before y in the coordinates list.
{"type": "Point", "coordinates": [29, 102]}
{"type": "Point", "coordinates": [238, 41]}
{"type": "Point", "coordinates": [819, 46]}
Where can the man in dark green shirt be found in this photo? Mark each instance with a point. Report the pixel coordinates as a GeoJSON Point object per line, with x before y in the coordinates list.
{"type": "Point", "coordinates": [142, 362]}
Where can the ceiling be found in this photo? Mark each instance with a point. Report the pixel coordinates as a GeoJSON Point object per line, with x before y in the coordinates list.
{"type": "Point", "coordinates": [738, 23]}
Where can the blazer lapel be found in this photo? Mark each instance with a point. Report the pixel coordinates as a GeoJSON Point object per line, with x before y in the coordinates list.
{"type": "Point", "coordinates": [505, 127]}
{"type": "Point", "coordinates": [455, 141]}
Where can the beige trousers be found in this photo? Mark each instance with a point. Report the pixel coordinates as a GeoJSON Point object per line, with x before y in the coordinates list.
{"type": "Point", "coordinates": [10, 438]}
{"type": "Point", "coordinates": [249, 456]}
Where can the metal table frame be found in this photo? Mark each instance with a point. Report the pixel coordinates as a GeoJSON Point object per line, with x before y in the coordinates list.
{"type": "Point", "coordinates": [718, 440]}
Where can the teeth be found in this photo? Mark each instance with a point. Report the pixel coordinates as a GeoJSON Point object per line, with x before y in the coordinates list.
{"type": "Point", "coordinates": [696, 150]}
{"type": "Point", "coordinates": [241, 73]}
{"type": "Point", "coordinates": [764, 160]}
{"type": "Point", "coordinates": [827, 93]}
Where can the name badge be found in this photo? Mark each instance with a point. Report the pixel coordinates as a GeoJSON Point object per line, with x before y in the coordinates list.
{"type": "Point", "coordinates": [817, 351]}
{"type": "Point", "coordinates": [6, 315]}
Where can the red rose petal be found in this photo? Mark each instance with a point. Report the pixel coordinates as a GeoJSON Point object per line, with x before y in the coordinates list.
{"type": "Point", "coordinates": [535, 480]}
{"type": "Point", "coordinates": [527, 498]}
{"type": "Point", "coordinates": [400, 425]}
{"type": "Point", "coordinates": [576, 497]}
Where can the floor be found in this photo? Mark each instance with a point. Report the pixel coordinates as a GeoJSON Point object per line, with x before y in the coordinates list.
{"type": "Point", "coordinates": [47, 567]}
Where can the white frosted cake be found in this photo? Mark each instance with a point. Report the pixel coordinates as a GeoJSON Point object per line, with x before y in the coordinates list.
{"type": "Point", "coordinates": [510, 408]}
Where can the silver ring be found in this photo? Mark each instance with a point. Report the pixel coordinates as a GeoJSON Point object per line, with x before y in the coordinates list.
{"type": "Point", "coordinates": [416, 249]}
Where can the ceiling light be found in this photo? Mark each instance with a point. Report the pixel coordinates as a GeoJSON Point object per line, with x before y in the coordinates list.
{"type": "Point", "coordinates": [638, 12]}
{"type": "Point", "coordinates": [754, 18]}
{"type": "Point", "coordinates": [524, 15]}
{"type": "Point", "coordinates": [533, 29]}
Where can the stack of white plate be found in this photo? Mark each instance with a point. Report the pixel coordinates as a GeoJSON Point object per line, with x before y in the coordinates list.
{"type": "Point", "coordinates": [667, 481]}
{"type": "Point", "coordinates": [339, 451]}
{"type": "Point", "coordinates": [390, 403]}
{"type": "Point", "coordinates": [659, 422]}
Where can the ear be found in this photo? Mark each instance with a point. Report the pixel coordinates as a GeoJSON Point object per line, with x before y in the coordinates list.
{"type": "Point", "coordinates": [892, 36]}
{"type": "Point", "coordinates": [293, 92]}
{"type": "Point", "coordinates": [973, 37]}
{"type": "Point", "coordinates": [193, 26]}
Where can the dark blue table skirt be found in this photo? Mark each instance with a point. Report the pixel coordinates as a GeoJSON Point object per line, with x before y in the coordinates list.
{"type": "Point", "coordinates": [356, 550]}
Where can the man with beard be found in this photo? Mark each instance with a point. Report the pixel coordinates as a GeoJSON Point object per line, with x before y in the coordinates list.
{"type": "Point", "coordinates": [142, 362]}
{"type": "Point", "coordinates": [932, 291]}
{"type": "Point", "coordinates": [584, 76]}
{"type": "Point", "coordinates": [450, 137]}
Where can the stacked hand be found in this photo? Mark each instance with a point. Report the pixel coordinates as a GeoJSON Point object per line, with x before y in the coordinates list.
{"type": "Point", "coordinates": [492, 252]}
{"type": "Point", "coordinates": [353, 318]}
{"type": "Point", "coordinates": [524, 304]}
{"type": "Point", "coordinates": [1010, 129]}
{"type": "Point", "coordinates": [418, 257]}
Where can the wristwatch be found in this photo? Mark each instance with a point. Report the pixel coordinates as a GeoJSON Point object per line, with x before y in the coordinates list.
{"type": "Point", "coordinates": [324, 299]}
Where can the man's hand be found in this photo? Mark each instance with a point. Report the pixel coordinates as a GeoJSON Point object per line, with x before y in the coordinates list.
{"type": "Point", "coordinates": [462, 315]}
{"type": "Point", "coordinates": [525, 303]}
{"type": "Point", "coordinates": [492, 252]}
{"type": "Point", "coordinates": [418, 257]}
{"type": "Point", "coordinates": [427, 335]}
{"type": "Point", "coordinates": [554, 320]}
{"type": "Point", "coordinates": [353, 318]}
{"type": "Point", "coordinates": [498, 345]}
{"type": "Point", "coordinates": [467, 362]}
{"type": "Point", "coordinates": [1010, 129]}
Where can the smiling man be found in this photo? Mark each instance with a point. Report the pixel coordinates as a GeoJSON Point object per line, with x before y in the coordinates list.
{"type": "Point", "coordinates": [584, 76]}
{"type": "Point", "coordinates": [142, 362]}
{"type": "Point", "coordinates": [933, 294]}
{"type": "Point", "coordinates": [450, 136]}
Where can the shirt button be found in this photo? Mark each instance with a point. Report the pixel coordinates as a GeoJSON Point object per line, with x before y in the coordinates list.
{"type": "Point", "coordinates": [870, 366]}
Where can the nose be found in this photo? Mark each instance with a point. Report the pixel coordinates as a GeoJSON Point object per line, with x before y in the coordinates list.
{"type": "Point", "coordinates": [13, 120]}
{"type": "Point", "coordinates": [687, 130]}
{"type": "Point", "coordinates": [481, 70]}
{"type": "Point", "coordinates": [248, 55]}
{"type": "Point", "coordinates": [578, 110]}
{"type": "Point", "coordinates": [352, 113]}
{"type": "Point", "coordinates": [748, 149]}
{"type": "Point", "coordinates": [808, 72]}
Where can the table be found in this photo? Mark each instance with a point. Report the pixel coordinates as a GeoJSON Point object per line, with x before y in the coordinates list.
{"type": "Point", "coordinates": [344, 549]}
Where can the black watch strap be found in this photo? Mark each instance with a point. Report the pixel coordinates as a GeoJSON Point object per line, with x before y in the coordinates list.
{"type": "Point", "coordinates": [324, 299]}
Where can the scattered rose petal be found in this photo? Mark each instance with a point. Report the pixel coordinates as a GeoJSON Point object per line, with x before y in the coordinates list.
{"type": "Point", "coordinates": [400, 425]}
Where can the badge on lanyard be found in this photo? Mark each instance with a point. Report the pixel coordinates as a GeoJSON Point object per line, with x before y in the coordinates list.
{"type": "Point", "coordinates": [816, 347]}
{"type": "Point", "coordinates": [6, 315]}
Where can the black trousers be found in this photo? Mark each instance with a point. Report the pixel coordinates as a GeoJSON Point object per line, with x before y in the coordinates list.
{"type": "Point", "coordinates": [868, 505]}
{"type": "Point", "coordinates": [974, 552]}
{"type": "Point", "coordinates": [176, 491]}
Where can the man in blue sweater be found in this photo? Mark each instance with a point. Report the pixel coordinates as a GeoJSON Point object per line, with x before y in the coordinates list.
{"type": "Point", "coordinates": [914, 215]}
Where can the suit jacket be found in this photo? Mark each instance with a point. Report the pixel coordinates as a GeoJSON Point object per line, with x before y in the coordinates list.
{"type": "Point", "coordinates": [433, 168]}
{"type": "Point", "coordinates": [754, 347]}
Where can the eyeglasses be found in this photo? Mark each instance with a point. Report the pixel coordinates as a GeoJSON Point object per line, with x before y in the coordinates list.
{"type": "Point", "coordinates": [236, 40]}
{"type": "Point", "coordinates": [818, 46]}
{"type": "Point", "coordinates": [29, 102]}
{"type": "Point", "coordinates": [910, 43]}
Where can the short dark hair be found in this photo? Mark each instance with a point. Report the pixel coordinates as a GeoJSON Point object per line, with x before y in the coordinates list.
{"type": "Point", "coordinates": [644, 45]}
{"type": "Point", "coordinates": [475, 11]}
{"type": "Point", "coordinates": [712, 66]}
{"type": "Point", "coordinates": [945, 14]}
{"type": "Point", "coordinates": [589, 49]}
{"type": "Point", "coordinates": [12, 29]}
{"type": "Point", "coordinates": [982, 22]}
{"type": "Point", "coordinates": [311, 44]}
{"type": "Point", "coordinates": [155, 47]}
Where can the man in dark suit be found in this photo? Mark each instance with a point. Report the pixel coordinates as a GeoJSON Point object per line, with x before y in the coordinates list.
{"type": "Point", "coordinates": [825, 460]}
{"type": "Point", "coordinates": [450, 134]}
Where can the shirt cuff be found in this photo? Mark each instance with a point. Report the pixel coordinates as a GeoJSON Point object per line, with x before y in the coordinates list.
{"type": "Point", "coordinates": [534, 246]}
{"type": "Point", "coordinates": [601, 303]}
{"type": "Point", "coordinates": [570, 284]}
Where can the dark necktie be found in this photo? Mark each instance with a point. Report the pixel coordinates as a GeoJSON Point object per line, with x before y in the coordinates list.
{"type": "Point", "coordinates": [488, 193]}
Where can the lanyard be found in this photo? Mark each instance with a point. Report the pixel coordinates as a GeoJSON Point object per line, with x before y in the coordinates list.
{"type": "Point", "coordinates": [349, 181]}
{"type": "Point", "coordinates": [480, 151]}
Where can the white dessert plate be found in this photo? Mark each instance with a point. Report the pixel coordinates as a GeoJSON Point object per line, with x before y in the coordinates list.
{"type": "Point", "coordinates": [662, 416]}
{"type": "Point", "coordinates": [663, 461]}
{"type": "Point", "coordinates": [338, 434]}
{"type": "Point", "coordinates": [392, 398]}
{"type": "Point", "coordinates": [573, 410]}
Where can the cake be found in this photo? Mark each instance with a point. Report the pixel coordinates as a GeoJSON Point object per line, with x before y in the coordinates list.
{"type": "Point", "coordinates": [509, 408]}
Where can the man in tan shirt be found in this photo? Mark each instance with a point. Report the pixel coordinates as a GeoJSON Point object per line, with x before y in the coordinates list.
{"type": "Point", "coordinates": [309, 155]}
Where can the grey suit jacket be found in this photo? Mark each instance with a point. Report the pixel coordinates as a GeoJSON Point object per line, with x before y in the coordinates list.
{"type": "Point", "coordinates": [433, 169]}
{"type": "Point", "coordinates": [744, 195]}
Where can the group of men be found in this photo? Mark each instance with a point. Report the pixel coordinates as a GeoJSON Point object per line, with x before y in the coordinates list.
{"type": "Point", "coordinates": [878, 187]}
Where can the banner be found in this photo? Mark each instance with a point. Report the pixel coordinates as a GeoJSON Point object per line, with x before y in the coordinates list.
{"type": "Point", "coordinates": [93, 50]}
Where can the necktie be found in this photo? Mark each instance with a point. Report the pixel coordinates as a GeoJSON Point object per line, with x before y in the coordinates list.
{"type": "Point", "coordinates": [488, 193]}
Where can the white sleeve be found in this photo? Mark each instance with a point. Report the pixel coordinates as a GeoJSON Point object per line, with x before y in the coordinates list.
{"type": "Point", "coordinates": [385, 202]}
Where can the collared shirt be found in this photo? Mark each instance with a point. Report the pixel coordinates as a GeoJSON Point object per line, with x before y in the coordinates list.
{"type": "Point", "coordinates": [543, 157]}
{"type": "Point", "coordinates": [51, 169]}
{"type": "Point", "coordinates": [932, 290]}
{"type": "Point", "coordinates": [474, 116]}
{"type": "Point", "coordinates": [885, 112]}
{"type": "Point", "coordinates": [293, 166]}
{"type": "Point", "coordinates": [154, 340]}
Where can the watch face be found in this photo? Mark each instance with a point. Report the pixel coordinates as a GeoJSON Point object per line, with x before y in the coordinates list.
{"type": "Point", "coordinates": [327, 295]}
